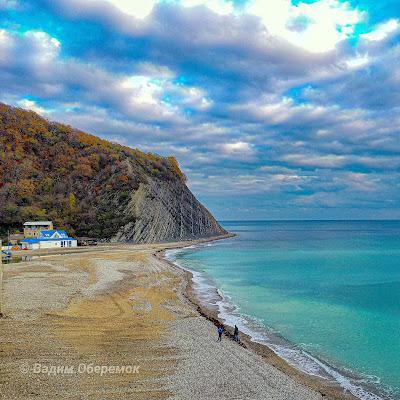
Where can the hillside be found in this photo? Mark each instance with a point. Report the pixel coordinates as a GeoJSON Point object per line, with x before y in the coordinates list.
{"type": "Point", "coordinates": [92, 187]}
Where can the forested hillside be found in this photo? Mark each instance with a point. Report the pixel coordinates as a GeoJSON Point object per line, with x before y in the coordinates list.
{"type": "Point", "coordinates": [90, 186]}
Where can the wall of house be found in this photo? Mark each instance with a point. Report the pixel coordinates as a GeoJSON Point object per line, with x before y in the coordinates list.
{"type": "Point", "coordinates": [34, 231]}
{"type": "Point", "coordinates": [31, 232]}
{"type": "Point", "coordinates": [49, 244]}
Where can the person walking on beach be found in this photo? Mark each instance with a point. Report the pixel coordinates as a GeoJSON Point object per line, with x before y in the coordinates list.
{"type": "Point", "coordinates": [220, 332]}
{"type": "Point", "coordinates": [236, 334]}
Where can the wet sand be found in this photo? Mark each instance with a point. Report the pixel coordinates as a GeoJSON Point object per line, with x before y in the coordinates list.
{"type": "Point", "coordinates": [123, 310]}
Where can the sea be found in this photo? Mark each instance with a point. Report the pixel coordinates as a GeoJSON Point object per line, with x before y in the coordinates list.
{"type": "Point", "coordinates": [323, 295]}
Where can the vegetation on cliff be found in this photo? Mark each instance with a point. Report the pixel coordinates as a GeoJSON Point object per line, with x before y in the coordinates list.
{"type": "Point", "coordinates": [50, 171]}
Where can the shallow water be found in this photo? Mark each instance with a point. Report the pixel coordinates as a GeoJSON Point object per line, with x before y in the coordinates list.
{"type": "Point", "coordinates": [330, 288]}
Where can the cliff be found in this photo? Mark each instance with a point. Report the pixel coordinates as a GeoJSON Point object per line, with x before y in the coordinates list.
{"type": "Point", "coordinates": [92, 187]}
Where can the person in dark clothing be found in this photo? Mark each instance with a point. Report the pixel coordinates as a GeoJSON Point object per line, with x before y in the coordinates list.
{"type": "Point", "coordinates": [236, 334]}
{"type": "Point", "coordinates": [220, 332]}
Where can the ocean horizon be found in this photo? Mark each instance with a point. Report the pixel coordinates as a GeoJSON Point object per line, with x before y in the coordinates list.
{"type": "Point", "coordinates": [323, 294]}
{"type": "Point", "coordinates": [235, 221]}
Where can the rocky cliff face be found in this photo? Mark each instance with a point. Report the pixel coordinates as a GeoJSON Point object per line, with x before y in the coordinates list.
{"type": "Point", "coordinates": [166, 211]}
{"type": "Point", "coordinates": [91, 187]}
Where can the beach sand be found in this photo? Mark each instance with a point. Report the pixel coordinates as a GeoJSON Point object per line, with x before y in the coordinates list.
{"type": "Point", "coordinates": [123, 310]}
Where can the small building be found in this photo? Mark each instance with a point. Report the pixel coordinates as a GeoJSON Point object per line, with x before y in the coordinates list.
{"type": "Point", "coordinates": [15, 238]}
{"type": "Point", "coordinates": [49, 239]}
{"type": "Point", "coordinates": [33, 229]}
{"type": "Point", "coordinates": [87, 241]}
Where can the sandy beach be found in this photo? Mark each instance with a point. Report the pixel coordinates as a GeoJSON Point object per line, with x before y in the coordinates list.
{"type": "Point", "coordinates": [119, 322]}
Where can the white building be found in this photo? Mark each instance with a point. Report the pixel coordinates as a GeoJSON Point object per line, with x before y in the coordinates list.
{"type": "Point", "coordinates": [49, 240]}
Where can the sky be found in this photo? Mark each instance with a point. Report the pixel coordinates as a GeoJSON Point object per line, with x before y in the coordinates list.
{"type": "Point", "coordinates": [275, 109]}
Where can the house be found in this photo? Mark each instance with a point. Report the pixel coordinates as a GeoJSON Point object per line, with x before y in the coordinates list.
{"type": "Point", "coordinates": [33, 229]}
{"type": "Point", "coordinates": [49, 239]}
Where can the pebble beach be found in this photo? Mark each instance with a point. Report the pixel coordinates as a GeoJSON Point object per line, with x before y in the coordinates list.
{"type": "Point", "coordinates": [119, 322]}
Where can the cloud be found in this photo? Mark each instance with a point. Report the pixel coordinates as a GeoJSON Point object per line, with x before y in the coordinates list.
{"type": "Point", "coordinates": [33, 60]}
{"type": "Point", "coordinates": [382, 31]}
{"type": "Point", "coordinates": [36, 47]}
{"type": "Point", "coordinates": [324, 23]}
{"type": "Point", "coordinates": [9, 4]}
{"type": "Point", "coordinates": [31, 105]}
{"type": "Point", "coordinates": [237, 149]}
{"type": "Point", "coordinates": [221, 7]}
{"type": "Point", "coordinates": [268, 105]}
{"type": "Point", "coordinates": [137, 9]}
{"type": "Point", "coordinates": [323, 161]}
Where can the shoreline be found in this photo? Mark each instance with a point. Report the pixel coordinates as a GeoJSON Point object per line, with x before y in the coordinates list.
{"type": "Point", "coordinates": [328, 389]}
{"type": "Point", "coordinates": [118, 287]}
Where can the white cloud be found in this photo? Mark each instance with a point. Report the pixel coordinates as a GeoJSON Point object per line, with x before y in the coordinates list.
{"type": "Point", "coordinates": [218, 6]}
{"type": "Point", "coordinates": [362, 182]}
{"type": "Point", "coordinates": [136, 8]}
{"type": "Point", "coordinates": [326, 22]}
{"type": "Point", "coordinates": [140, 9]}
{"type": "Point", "coordinates": [6, 45]}
{"type": "Point", "coordinates": [144, 90]}
{"type": "Point", "coordinates": [31, 105]}
{"type": "Point", "coordinates": [323, 161]}
{"type": "Point", "coordinates": [151, 69]}
{"type": "Point", "coordinates": [321, 199]}
{"type": "Point", "coordinates": [163, 94]}
{"type": "Point", "coordinates": [357, 62]}
{"type": "Point", "coordinates": [382, 31]}
{"type": "Point", "coordinates": [37, 46]}
{"type": "Point", "coordinates": [192, 97]}
{"type": "Point", "coordinates": [241, 148]}
{"type": "Point", "coordinates": [48, 46]}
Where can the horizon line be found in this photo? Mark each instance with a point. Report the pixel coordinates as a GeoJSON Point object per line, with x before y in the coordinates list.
{"type": "Point", "coordinates": [308, 220]}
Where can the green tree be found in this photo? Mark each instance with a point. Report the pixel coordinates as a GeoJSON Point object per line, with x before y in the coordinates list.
{"type": "Point", "coordinates": [72, 202]}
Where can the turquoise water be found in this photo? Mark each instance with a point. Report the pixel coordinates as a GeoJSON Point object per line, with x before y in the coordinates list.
{"type": "Point", "coordinates": [329, 288]}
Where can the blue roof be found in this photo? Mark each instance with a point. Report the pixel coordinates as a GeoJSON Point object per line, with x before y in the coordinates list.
{"type": "Point", "coordinates": [50, 233]}
{"type": "Point", "coordinates": [47, 236]}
